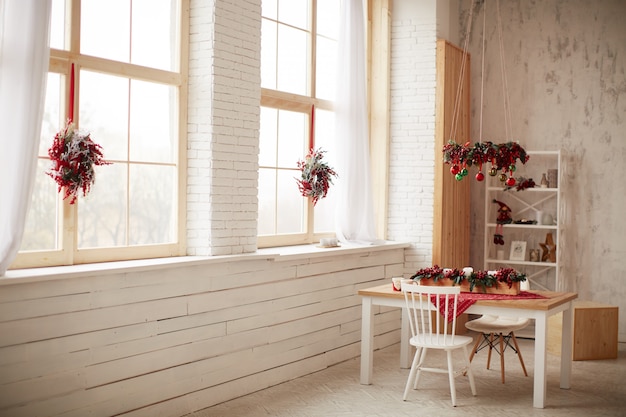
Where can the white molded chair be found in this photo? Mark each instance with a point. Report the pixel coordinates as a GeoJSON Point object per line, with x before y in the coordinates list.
{"type": "Point", "coordinates": [504, 327]}
{"type": "Point", "coordinates": [426, 334]}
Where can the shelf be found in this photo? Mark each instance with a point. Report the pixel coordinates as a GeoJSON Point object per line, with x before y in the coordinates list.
{"type": "Point", "coordinates": [527, 190]}
{"type": "Point", "coordinates": [525, 226]}
{"type": "Point", "coordinates": [507, 261]}
{"type": "Point", "coordinates": [537, 203]}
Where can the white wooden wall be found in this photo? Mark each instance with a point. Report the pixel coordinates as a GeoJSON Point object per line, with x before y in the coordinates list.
{"type": "Point", "coordinates": [177, 338]}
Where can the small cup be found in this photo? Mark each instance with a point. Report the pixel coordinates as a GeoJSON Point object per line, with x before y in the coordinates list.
{"type": "Point", "coordinates": [397, 283]}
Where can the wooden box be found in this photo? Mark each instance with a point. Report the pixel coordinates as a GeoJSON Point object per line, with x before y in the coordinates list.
{"type": "Point", "coordinates": [595, 331]}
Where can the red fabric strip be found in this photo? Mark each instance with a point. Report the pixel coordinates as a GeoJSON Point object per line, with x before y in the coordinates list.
{"type": "Point", "coordinates": [70, 109]}
{"type": "Point", "coordinates": [467, 299]}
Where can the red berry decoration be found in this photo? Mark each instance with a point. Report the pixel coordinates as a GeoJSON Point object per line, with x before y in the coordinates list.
{"type": "Point", "coordinates": [454, 169]}
{"type": "Point", "coordinates": [510, 182]}
{"type": "Point", "coordinates": [480, 176]}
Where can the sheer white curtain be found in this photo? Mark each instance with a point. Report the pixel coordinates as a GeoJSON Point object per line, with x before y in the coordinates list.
{"type": "Point", "coordinates": [355, 207]}
{"type": "Point", "coordinates": [24, 56]}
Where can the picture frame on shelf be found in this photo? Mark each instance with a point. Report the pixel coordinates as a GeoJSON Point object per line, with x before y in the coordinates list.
{"type": "Point", "coordinates": [518, 250]}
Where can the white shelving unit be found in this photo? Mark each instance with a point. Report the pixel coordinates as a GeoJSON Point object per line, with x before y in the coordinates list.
{"type": "Point", "coordinates": [525, 206]}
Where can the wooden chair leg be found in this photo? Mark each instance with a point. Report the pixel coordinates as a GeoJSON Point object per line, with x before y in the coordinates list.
{"type": "Point", "coordinates": [490, 347]}
{"type": "Point", "coordinates": [478, 340]}
{"type": "Point", "coordinates": [502, 356]}
{"type": "Point", "coordinates": [519, 353]}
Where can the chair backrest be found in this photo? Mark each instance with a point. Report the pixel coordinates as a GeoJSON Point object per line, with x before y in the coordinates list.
{"type": "Point", "coordinates": [421, 300]}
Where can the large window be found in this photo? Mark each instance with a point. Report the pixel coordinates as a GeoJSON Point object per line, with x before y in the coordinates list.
{"type": "Point", "coordinates": [116, 70]}
{"type": "Point", "coordinates": [298, 54]}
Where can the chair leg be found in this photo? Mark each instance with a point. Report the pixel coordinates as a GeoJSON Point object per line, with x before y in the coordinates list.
{"type": "Point", "coordinates": [478, 340]}
{"type": "Point", "coordinates": [470, 375]}
{"type": "Point", "coordinates": [414, 366]}
{"type": "Point", "coordinates": [519, 353]}
{"type": "Point", "coordinates": [502, 356]}
{"type": "Point", "coordinates": [490, 347]}
{"type": "Point", "coordinates": [419, 366]}
{"type": "Point", "coordinates": [451, 377]}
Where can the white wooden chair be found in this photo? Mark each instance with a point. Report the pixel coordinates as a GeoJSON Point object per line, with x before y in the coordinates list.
{"type": "Point", "coordinates": [434, 334]}
{"type": "Point", "coordinates": [504, 328]}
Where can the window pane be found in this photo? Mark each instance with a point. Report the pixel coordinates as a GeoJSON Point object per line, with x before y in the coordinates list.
{"type": "Point", "coordinates": [268, 137]}
{"type": "Point", "coordinates": [155, 34]}
{"type": "Point", "coordinates": [105, 29]}
{"type": "Point", "coordinates": [328, 12]}
{"type": "Point", "coordinates": [102, 214]}
{"type": "Point", "coordinates": [325, 134]}
{"type": "Point", "coordinates": [290, 203]}
{"type": "Point", "coordinates": [153, 132]}
{"type": "Point", "coordinates": [324, 219]}
{"type": "Point", "coordinates": [294, 12]}
{"type": "Point", "coordinates": [269, 9]}
{"type": "Point", "coordinates": [53, 117]}
{"type": "Point", "coordinates": [57, 24]}
{"type": "Point", "coordinates": [293, 65]}
{"type": "Point", "coordinates": [292, 138]}
{"type": "Point", "coordinates": [152, 204]}
{"type": "Point", "coordinates": [326, 64]}
{"type": "Point", "coordinates": [324, 213]}
{"type": "Point", "coordinates": [268, 54]}
{"type": "Point", "coordinates": [267, 202]}
{"type": "Point", "coordinates": [40, 230]}
{"type": "Point", "coordinates": [104, 112]}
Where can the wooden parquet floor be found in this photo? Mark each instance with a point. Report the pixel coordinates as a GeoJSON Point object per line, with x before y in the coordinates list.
{"type": "Point", "coordinates": [598, 389]}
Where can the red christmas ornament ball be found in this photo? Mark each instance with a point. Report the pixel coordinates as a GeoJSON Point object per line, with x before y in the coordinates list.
{"type": "Point", "coordinates": [510, 182]}
{"type": "Point", "coordinates": [480, 176]}
{"type": "Point", "coordinates": [454, 169]}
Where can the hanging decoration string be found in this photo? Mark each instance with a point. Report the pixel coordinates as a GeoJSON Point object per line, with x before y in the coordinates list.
{"type": "Point", "coordinates": [508, 129]}
{"type": "Point", "coordinates": [503, 157]}
{"type": "Point", "coordinates": [482, 78]}
{"type": "Point", "coordinates": [457, 101]}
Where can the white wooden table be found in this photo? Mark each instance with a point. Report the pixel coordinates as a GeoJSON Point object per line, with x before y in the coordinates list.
{"type": "Point", "coordinates": [538, 309]}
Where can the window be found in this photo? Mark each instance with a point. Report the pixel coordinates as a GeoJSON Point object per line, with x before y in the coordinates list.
{"type": "Point", "coordinates": [298, 54]}
{"type": "Point", "coordinates": [116, 69]}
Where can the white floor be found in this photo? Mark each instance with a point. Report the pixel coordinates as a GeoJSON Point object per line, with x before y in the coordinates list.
{"type": "Point", "coordinates": [598, 389]}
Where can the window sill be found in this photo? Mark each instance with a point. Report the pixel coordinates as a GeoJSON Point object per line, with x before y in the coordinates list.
{"type": "Point", "coordinates": [277, 254]}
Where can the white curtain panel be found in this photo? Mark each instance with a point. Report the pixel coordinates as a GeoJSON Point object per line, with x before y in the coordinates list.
{"type": "Point", "coordinates": [355, 207]}
{"type": "Point", "coordinates": [24, 56]}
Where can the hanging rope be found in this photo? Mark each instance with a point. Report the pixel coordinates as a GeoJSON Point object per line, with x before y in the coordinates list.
{"type": "Point", "coordinates": [508, 129]}
{"type": "Point", "coordinates": [457, 101]}
{"type": "Point", "coordinates": [482, 75]}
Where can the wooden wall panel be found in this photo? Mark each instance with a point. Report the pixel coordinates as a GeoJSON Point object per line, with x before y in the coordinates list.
{"type": "Point", "coordinates": [451, 224]}
{"type": "Point", "coordinates": [177, 338]}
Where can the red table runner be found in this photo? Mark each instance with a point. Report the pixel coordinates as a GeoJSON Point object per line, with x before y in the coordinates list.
{"type": "Point", "coordinates": [467, 299]}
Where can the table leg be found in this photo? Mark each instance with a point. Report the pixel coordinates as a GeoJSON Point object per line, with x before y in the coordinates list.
{"type": "Point", "coordinates": [405, 351]}
{"type": "Point", "coordinates": [367, 341]}
{"type": "Point", "coordinates": [540, 383]}
{"type": "Point", "coordinates": [566, 346]}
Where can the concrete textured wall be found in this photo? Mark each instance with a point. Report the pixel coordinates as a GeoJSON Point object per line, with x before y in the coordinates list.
{"type": "Point", "coordinates": [566, 75]}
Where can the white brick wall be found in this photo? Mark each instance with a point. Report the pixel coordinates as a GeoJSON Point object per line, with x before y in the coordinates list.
{"type": "Point", "coordinates": [223, 126]}
{"type": "Point", "coordinates": [411, 170]}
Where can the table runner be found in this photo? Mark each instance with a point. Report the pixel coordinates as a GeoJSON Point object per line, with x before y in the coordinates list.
{"type": "Point", "coordinates": [467, 299]}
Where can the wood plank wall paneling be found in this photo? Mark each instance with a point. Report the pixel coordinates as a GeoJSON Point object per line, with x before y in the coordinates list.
{"type": "Point", "coordinates": [451, 220]}
{"type": "Point", "coordinates": [176, 339]}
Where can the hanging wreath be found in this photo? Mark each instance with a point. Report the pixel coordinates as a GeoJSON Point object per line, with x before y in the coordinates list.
{"type": "Point", "coordinates": [502, 157]}
{"type": "Point", "coordinates": [316, 176]}
{"type": "Point", "coordinates": [73, 156]}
